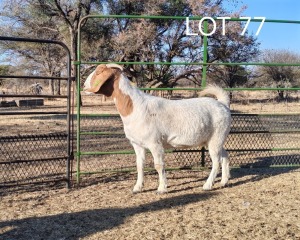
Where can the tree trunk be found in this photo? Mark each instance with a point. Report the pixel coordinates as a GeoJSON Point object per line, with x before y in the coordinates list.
{"type": "Point", "coordinates": [51, 86]}
{"type": "Point", "coordinates": [281, 95]}
{"type": "Point", "coordinates": [74, 57]}
{"type": "Point", "coordinates": [57, 83]}
{"type": "Point", "coordinates": [58, 92]}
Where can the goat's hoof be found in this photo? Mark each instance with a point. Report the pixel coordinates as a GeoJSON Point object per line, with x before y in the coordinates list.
{"type": "Point", "coordinates": [137, 190]}
{"type": "Point", "coordinates": [207, 187]}
{"type": "Point", "coordinates": [223, 183]}
{"type": "Point", "coordinates": [159, 192]}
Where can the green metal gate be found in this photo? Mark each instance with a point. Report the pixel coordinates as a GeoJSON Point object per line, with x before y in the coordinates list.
{"type": "Point", "coordinates": [255, 140]}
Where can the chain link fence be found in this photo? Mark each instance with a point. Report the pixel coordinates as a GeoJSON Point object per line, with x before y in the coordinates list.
{"type": "Point", "coordinates": [32, 158]}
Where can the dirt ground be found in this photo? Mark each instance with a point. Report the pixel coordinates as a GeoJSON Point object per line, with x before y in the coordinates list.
{"type": "Point", "coordinates": [258, 204]}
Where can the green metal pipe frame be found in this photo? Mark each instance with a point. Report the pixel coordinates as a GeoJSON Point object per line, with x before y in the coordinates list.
{"type": "Point", "coordinates": [132, 169]}
{"type": "Point", "coordinates": [182, 18]}
{"type": "Point", "coordinates": [194, 63]}
{"type": "Point", "coordinates": [78, 63]}
{"type": "Point", "coordinates": [226, 89]}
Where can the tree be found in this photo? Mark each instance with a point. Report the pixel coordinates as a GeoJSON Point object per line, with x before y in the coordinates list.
{"type": "Point", "coordinates": [56, 20]}
{"type": "Point", "coordinates": [166, 41]}
{"type": "Point", "coordinates": [40, 59]}
{"type": "Point", "coordinates": [36, 89]}
{"type": "Point", "coordinates": [231, 48]}
{"type": "Point", "coordinates": [131, 40]}
{"type": "Point", "coordinates": [279, 76]}
{"type": "Point", "coordinates": [68, 14]}
{"type": "Point", "coordinates": [230, 76]}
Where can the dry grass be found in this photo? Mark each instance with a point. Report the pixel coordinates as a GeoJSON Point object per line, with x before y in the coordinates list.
{"type": "Point", "coordinates": [259, 204]}
{"type": "Point", "coordinates": [12, 125]}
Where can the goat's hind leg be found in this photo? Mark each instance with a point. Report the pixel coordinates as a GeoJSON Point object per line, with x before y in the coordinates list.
{"type": "Point", "coordinates": [140, 159]}
{"type": "Point", "coordinates": [215, 155]}
{"type": "Point", "coordinates": [225, 168]}
{"type": "Point", "coordinates": [158, 156]}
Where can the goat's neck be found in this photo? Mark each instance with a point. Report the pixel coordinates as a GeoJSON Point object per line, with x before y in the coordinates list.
{"type": "Point", "coordinates": [124, 95]}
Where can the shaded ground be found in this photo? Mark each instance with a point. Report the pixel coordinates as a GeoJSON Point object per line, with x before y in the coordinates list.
{"type": "Point", "coordinates": [258, 204]}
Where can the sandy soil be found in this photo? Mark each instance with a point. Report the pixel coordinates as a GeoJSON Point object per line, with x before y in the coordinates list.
{"type": "Point", "coordinates": [258, 204]}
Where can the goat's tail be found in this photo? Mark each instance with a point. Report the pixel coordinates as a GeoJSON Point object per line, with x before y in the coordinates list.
{"type": "Point", "coordinates": [217, 92]}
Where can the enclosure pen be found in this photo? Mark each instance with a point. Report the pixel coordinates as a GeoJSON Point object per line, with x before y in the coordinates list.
{"type": "Point", "coordinates": [252, 135]}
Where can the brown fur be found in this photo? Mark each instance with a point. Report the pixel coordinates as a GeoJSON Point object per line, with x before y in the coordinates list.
{"type": "Point", "coordinates": [100, 76]}
{"type": "Point", "coordinates": [106, 81]}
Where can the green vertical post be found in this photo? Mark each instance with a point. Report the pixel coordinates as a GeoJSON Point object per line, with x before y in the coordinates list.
{"type": "Point", "coordinates": [78, 102]}
{"type": "Point", "coordinates": [203, 81]}
{"type": "Point", "coordinates": [78, 126]}
{"type": "Point", "coordinates": [205, 53]}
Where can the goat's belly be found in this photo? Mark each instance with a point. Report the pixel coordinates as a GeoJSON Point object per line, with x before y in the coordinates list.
{"type": "Point", "coordinates": [184, 142]}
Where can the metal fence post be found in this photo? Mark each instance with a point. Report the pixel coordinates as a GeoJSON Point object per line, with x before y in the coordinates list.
{"type": "Point", "coordinates": [205, 53]}
{"type": "Point", "coordinates": [203, 81]}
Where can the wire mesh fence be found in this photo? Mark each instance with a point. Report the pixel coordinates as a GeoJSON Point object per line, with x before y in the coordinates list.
{"type": "Point", "coordinates": [32, 158]}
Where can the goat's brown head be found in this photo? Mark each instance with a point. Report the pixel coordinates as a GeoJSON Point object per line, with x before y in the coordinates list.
{"type": "Point", "coordinates": [101, 80]}
{"type": "Point", "coordinates": [105, 80]}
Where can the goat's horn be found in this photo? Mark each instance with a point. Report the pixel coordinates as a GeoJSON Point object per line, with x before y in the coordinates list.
{"type": "Point", "coordinates": [113, 65]}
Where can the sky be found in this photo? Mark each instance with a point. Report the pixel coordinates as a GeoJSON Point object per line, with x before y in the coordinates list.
{"type": "Point", "coordinates": [276, 35]}
{"type": "Point", "coordinates": [273, 35]}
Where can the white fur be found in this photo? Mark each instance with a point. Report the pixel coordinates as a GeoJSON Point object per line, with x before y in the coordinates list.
{"type": "Point", "coordinates": [156, 123]}
{"type": "Point", "coordinates": [87, 83]}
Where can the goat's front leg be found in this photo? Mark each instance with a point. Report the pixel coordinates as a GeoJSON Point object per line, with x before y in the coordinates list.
{"type": "Point", "coordinates": [158, 156]}
{"type": "Point", "coordinates": [140, 159]}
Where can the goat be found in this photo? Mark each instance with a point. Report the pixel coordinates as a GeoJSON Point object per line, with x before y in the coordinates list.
{"type": "Point", "coordinates": [155, 123]}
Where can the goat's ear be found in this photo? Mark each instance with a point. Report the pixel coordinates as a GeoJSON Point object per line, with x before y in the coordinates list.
{"type": "Point", "coordinates": [100, 68]}
{"type": "Point", "coordinates": [113, 65]}
{"type": "Point", "coordinates": [100, 76]}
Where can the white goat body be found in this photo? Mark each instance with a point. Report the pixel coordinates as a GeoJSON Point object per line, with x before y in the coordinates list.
{"type": "Point", "coordinates": [155, 123]}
